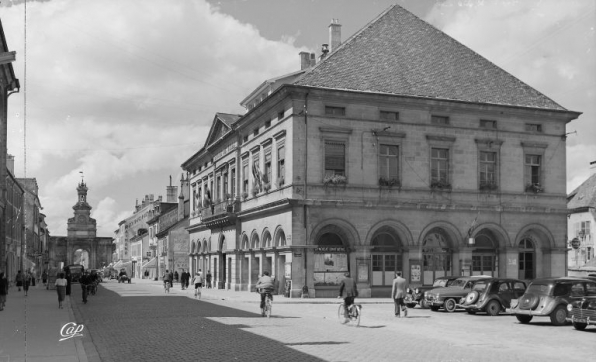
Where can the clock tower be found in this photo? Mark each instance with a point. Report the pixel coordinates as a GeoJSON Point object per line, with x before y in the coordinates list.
{"type": "Point", "coordinates": [82, 225]}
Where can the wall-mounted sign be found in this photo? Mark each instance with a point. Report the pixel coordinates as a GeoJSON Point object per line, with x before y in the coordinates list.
{"type": "Point", "coordinates": [297, 255]}
{"type": "Point", "coordinates": [330, 249]}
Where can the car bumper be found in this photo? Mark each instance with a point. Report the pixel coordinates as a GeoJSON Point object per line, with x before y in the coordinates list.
{"type": "Point", "coordinates": [434, 303]}
{"type": "Point", "coordinates": [586, 320]}
{"type": "Point", "coordinates": [515, 311]}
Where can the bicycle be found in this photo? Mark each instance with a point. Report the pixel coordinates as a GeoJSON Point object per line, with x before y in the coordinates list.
{"type": "Point", "coordinates": [354, 313]}
{"type": "Point", "coordinates": [266, 310]}
{"type": "Point", "coordinates": [166, 287]}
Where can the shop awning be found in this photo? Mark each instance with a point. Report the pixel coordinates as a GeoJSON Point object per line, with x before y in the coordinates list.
{"type": "Point", "coordinates": [150, 264]}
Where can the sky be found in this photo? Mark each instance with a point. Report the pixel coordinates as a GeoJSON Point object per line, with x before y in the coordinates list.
{"type": "Point", "coordinates": [125, 91]}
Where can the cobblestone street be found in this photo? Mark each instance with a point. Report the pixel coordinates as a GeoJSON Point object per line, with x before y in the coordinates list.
{"type": "Point", "coordinates": [138, 322]}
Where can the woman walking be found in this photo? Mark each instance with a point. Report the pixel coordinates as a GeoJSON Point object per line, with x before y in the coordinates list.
{"type": "Point", "coordinates": [61, 289]}
{"type": "Point", "coordinates": [26, 282]}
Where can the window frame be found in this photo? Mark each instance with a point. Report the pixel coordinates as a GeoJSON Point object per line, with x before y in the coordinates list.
{"type": "Point", "coordinates": [383, 115]}
{"type": "Point", "coordinates": [336, 111]}
{"type": "Point", "coordinates": [439, 120]}
{"type": "Point", "coordinates": [484, 122]}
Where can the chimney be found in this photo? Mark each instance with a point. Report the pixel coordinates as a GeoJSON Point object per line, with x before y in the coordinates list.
{"type": "Point", "coordinates": [592, 168]}
{"type": "Point", "coordinates": [334, 34]}
{"type": "Point", "coordinates": [10, 163]}
{"type": "Point", "coordinates": [313, 59]}
{"type": "Point", "coordinates": [304, 60]}
{"type": "Point", "coordinates": [324, 51]}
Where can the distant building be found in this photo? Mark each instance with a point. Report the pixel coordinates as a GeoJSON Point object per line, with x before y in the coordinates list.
{"type": "Point", "coordinates": [581, 204]}
{"type": "Point", "coordinates": [81, 245]}
{"type": "Point", "coordinates": [400, 150]}
{"type": "Point", "coordinates": [14, 222]}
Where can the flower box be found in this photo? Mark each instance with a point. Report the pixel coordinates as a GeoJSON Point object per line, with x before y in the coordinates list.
{"type": "Point", "coordinates": [440, 185]}
{"type": "Point", "coordinates": [535, 188]}
{"type": "Point", "coordinates": [335, 180]}
{"type": "Point", "coordinates": [389, 182]}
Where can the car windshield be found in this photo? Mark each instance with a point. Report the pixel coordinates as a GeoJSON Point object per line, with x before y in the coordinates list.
{"type": "Point", "coordinates": [459, 283]}
{"type": "Point", "coordinates": [538, 288]}
{"type": "Point", "coordinates": [480, 286]}
{"type": "Point", "coordinates": [440, 283]}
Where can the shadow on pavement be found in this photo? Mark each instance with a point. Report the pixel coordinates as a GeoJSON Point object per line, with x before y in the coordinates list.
{"type": "Point", "coordinates": [172, 328]}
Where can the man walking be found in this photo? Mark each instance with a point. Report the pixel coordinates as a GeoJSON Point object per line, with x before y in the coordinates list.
{"type": "Point", "coordinates": [398, 293]}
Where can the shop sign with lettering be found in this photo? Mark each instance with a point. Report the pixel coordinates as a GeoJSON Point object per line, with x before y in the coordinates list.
{"type": "Point", "coordinates": [330, 249]}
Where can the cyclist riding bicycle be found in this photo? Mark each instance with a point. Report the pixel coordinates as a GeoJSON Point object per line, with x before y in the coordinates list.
{"type": "Point", "coordinates": [349, 286]}
{"type": "Point", "coordinates": [167, 278]}
{"type": "Point", "coordinates": [265, 284]}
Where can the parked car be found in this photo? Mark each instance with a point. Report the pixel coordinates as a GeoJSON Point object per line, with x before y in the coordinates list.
{"type": "Point", "coordinates": [416, 296]}
{"type": "Point", "coordinates": [448, 297]}
{"type": "Point", "coordinates": [549, 297]}
{"type": "Point", "coordinates": [492, 295]}
{"type": "Point", "coordinates": [582, 312]}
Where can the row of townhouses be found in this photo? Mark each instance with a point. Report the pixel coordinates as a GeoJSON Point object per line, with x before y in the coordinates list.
{"type": "Point", "coordinates": [23, 231]}
{"type": "Point", "coordinates": [399, 149]}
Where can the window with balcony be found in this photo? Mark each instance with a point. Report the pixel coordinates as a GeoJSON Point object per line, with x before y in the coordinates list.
{"type": "Point", "coordinates": [233, 181]}
{"type": "Point", "coordinates": [388, 165]}
{"type": "Point", "coordinates": [267, 175]}
{"type": "Point", "coordinates": [335, 158]}
{"type": "Point", "coordinates": [488, 170]}
{"type": "Point", "coordinates": [281, 165]}
{"type": "Point", "coordinates": [439, 168]}
{"type": "Point", "coordinates": [533, 173]}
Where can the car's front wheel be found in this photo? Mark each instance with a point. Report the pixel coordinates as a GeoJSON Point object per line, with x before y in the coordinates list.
{"type": "Point", "coordinates": [557, 317]}
{"type": "Point", "coordinates": [524, 319]}
{"type": "Point", "coordinates": [493, 308]}
{"type": "Point", "coordinates": [410, 305]}
{"type": "Point", "coordinates": [579, 326]}
{"type": "Point", "coordinates": [449, 305]}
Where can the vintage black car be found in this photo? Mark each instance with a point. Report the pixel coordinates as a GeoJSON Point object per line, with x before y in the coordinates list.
{"type": "Point", "coordinates": [582, 312]}
{"type": "Point", "coordinates": [492, 295]}
{"type": "Point", "coordinates": [549, 297]}
{"type": "Point", "coordinates": [447, 297]}
{"type": "Point", "coordinates": [416, 296]}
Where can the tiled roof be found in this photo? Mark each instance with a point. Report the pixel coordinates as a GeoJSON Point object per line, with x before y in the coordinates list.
{"type": "Point", "coordinates": [398, 53]}
{"type": "Point", "coordinates": [584, 195]}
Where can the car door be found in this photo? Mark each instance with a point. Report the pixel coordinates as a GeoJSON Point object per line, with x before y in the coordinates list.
{"type": "Point", "coordinates": [505, 294]}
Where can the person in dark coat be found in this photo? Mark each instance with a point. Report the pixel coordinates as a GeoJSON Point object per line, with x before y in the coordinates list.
{"type": "Point", "coordinates": [176, 276]}
{"type": "Point", "coordinates": [348, 285]}
{"type": "Point", "coordinates": [68, 280]}
{"type": "Point", "coordinates": [3, 290]}
{"type": "Point", "coordinates": [19, 280]}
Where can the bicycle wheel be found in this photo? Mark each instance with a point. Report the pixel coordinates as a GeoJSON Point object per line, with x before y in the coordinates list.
{"type": "Point", "coordinates": [341, 313]}
{"type": "Point", "coordinates": [268, 306]}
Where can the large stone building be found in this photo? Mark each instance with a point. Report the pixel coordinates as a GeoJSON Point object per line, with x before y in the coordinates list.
{"type": "Point", "coordinates": [9, 84]}
{"type": "Point", "coordinates": [81, 245]}
{"type": "Point", "coordinates": [400, 150]}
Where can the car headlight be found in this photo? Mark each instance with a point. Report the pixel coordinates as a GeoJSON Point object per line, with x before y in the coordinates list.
{"type": "Point", "coordinates": [569, 307]}
{"type": "Point", "coordinates": [417, 291]}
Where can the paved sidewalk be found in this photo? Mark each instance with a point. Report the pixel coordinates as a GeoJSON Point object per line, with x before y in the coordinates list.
{"type": "Point", "coordinates": [31, 327]}
{"type": "Point", "coordinates": [252, 297]}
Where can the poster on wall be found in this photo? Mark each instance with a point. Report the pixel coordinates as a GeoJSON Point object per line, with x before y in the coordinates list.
{"type": "Point", "coordinates": [415, 273]}
{"type": "Point", "coordinates": [331, 262]}
{"type": "Point", "coordinates": [288, 271]}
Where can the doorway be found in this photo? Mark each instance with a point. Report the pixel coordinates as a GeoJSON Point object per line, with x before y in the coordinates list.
{"type": "Point", "coordinates": [527, 257]}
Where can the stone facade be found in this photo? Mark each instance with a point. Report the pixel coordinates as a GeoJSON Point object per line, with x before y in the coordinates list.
{"type": "Point", "coordinates": [313, 182]}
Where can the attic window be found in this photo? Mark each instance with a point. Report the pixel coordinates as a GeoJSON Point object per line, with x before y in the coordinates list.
{"type": "Point", "coordinates": [531, 127]}
{"type": "Point", "coordinates": [441, 120]}
{"type": "Point", "coordinates": [485, 123]}
{"type": "Point", "coordinates": [280, 115]}
{"type": "Point", "coordinates": [245, 139]}
{"type": "Point", "coordinates": [335, 111]}
{"type": "Point", "coordinates": [255, 132]}
{"type": "Point", "coordinates": [268, 124]}
{"type": "Point", "coordinates": [389, 116]}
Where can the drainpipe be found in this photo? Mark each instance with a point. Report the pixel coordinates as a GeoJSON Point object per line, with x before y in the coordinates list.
{"type": "Point", "coordinates": [305, 209]}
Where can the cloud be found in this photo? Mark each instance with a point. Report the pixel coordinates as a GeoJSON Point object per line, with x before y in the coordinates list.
{"type": "Point", "coordinates": [125, 91]}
